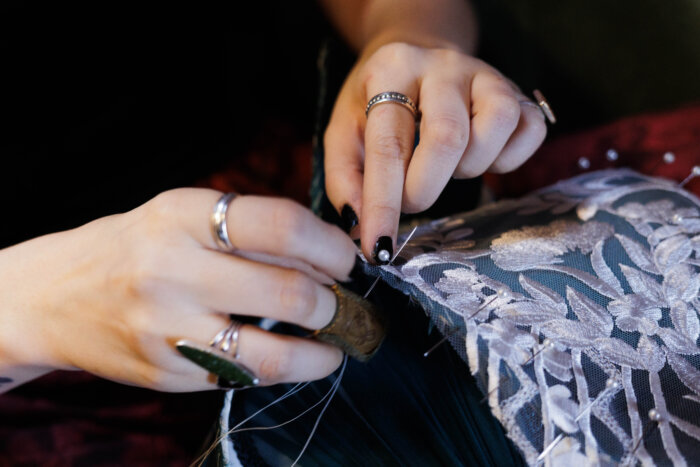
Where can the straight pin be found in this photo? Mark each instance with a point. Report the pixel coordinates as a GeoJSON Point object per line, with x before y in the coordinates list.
{"type": "Point", "coordinates": [546, 344]}
{"type": "Point", "coordinates": [392, 260]}
{"type": "Point", "coordinates": [667, 158]}
{"type": "Point", "coordinates": [609, 384]}
{"type": "Point", "coordinates": [693, 173]}
{"type": "Point", "coordinates": [655, 418]}
{"type": "Point", "coordinates": [549, 448]}
{"type": "Point", "coordinates": [441, 341]}
{"type": "Point", "coordinates": [499, 293]}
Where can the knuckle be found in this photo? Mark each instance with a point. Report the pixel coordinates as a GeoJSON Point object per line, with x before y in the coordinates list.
{"type": "Point", "coordinates": [274, 367]}
{"type": "Point", "coordinates": [390, 146]}
{"type": "Point", "coordinates": [394, 52]}
{"type": "Point", "coordinates": [297, 297]}
{"type": "Point", "coordinates": [413, 204]}
{"type": "Point", "coordinates": [289, 224]}
{"type": "Point", "coordinates": [505, 111]}
{"type": "Point", "coordinates": [449, 133]}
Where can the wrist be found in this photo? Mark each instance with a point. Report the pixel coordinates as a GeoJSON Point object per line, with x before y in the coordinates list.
{"type": "Point", "coordinates": [23, 341]}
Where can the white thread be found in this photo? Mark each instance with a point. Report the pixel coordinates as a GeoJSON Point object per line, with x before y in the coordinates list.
{"type": "Point", "coordinates": [334, 389]}
{"type": "Point", "coordinates": [200, 460]}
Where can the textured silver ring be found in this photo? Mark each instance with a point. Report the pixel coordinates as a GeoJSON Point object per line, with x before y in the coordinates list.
{"type": "Point", "coordinates": [218, 222]}
{"type": "Point", "coordinates": [227, 339]}
{"type": "Point", "coordinates": [544, 106]}
{"type": "Point", "coordinates": [395, 98]}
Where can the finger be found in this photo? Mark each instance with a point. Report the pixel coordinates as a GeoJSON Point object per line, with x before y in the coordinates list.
{"type": "Point", "coordinates": [443, 139]}
{"type": "Point", "coordinates": [527, 137]}
{"type": "Point", "coordinates": [271, 357]}
{"type": "Point", "coordinates": [389, 136]}
{"type": "Point", "coordinates": [343, 161]}
{"type": "Point", "coordinates": [495, 114]}
{"type": "Point", "coordinates": [233, 285]}
{"type": "Point", "coordinates": [274, 226]}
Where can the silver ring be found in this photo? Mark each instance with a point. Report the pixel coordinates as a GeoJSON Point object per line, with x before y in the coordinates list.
{"type": "Point", "coordinates": [218, 222]}
{"type": "Point", "coordinates": [227, 338]}
{"type": "Point", "coordinates": [393, 97]}
{"type": "Point", "coordinates": [544, 106]}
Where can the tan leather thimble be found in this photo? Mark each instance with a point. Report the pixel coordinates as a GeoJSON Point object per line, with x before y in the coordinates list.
{"type": "Point", "coordinates": [358, 327]}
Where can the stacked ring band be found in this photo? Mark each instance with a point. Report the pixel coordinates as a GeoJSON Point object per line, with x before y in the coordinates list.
{"type": "Point", "coordinates": [227, 338]}
{"type": "Point", "coordinates": [218, 222]}
{"type": "Point", "coordinates": [392, 97]}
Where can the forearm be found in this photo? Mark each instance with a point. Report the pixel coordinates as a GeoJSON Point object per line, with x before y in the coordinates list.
{"type": "Point", "coordinates": [21, 339]}
{"type": "Point", "coordinates": [369, 24]}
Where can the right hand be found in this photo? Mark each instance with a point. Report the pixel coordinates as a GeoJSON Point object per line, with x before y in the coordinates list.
{"type": "Point", "coordinates": [112, 297]}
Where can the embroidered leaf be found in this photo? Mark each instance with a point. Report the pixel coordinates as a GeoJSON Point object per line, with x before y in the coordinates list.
{"type": "Point", "coordinates": [663, 232]}
{"type": "Point", "coordinates": [589, 312]}
{"type": "Point", "coordinates": [672, 251]}
{"type": "Point", "coordinates": [619, 352]}
{"type": "Point", "coordinates": [570, 333]}
{"type": "Point", "coordinates": [530, 312]}
{"type": "Point", "coordinates": [562, 410]}
{"type": "Point", "coordinates": [558, 364]}
{"type": "Point", "coordinates": [677, 342]}
{"type": "Point", "coordinates": [644, 285]}
{"type": "Point", "coordinates": [689, 321]}
{"type": "Point", "coordinates": [650, 353]}
{"type": "Point", "coordinates": [681, 282]}
{"type": "Point", "coordinates": [602, 270]}
{"type": "Point", "coordinates": [588, 279]}
{"type": "Point", "coordinates": [544, 294]}
{"type": "Point", "coordinates": [687, 373]}
{"type": "Point", "coordinates": [638, 254]}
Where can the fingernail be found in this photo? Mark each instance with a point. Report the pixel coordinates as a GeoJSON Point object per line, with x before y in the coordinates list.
{"type": "Point", "coordinates": [231, 375]}
{"type": "Point", "coordinates": [383, 250]}
{"type": "Point", "coordinates": [348, 217]}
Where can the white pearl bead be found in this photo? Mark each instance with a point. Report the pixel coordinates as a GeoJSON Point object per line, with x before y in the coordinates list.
{"type": "Point", "coordinates": [383, 256]}
{"type": "Point", "coordinates": [654, 415]}
{"type": "Point", "coordinates": [611, 155]}
{"type": "Point", "coordinates": [669, 157]}
{"type": "Point", "coordinates": [584, 163]}
{"type": "Point", "coordinates": [612, 384]}
{"type": "Point", "coordinates": [696, 170]}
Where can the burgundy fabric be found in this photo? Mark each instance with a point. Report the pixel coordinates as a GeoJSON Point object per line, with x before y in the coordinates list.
{"type": "Point", "coordinates": [640, 142]}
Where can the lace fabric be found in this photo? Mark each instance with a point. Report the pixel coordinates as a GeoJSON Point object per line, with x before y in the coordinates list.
{"type": "Point", "coordinates": [576, 309]}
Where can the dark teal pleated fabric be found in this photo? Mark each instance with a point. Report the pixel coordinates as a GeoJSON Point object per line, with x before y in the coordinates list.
{"type": "Point", "coordinates": [400, 408]}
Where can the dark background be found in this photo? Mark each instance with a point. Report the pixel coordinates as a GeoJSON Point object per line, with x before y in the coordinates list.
{"type": "Point", "coordinates": [104, 106]}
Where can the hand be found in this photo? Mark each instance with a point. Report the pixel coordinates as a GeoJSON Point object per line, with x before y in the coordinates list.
{"type": "Point", "coordinates": [473, 120]}
{"type": "Point", "coordinates": [113, 296]}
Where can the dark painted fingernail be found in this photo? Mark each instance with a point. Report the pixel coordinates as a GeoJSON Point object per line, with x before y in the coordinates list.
{"type": "Point", "coordinates": [383, 250]}
{"type": "Point", "coordinates": [232, 375]}
{"type": "Point", "coordinates": [348, 217]}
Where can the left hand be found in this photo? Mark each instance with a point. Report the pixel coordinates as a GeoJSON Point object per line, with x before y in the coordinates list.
{"type": "Point", "coordinates": [473, 119]}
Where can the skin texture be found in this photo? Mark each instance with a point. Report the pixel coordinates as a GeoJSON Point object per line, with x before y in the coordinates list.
{"type": "Point", "coordinates": [112, 297]}
{"type": "Point", "coordinates": [473, 118]}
